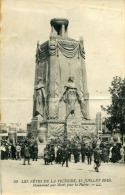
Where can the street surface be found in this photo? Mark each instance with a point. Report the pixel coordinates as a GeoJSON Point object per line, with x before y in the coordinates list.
{"type": "Point", "coordinates": [79, 178]}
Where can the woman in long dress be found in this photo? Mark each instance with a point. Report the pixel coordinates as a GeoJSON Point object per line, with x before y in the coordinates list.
{"type": "Point", "coordinates": [110, 153]}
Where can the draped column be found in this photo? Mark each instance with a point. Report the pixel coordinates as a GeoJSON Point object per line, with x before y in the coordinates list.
{"type": "Point", "coordinates": [85, 88]}
{"type": "Point", "coordinates": [52, 64]}
{"type": "Point", "coordinates": [52, 87]}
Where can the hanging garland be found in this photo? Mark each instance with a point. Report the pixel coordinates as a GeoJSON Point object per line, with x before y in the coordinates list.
{"type": "Point", "coordinates": [67, 48]}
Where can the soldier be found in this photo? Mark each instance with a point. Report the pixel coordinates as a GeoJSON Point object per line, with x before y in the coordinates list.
{"type": "Point", "coordinates": [83, 152]}
{"type": "Point", "coordinates": [13, 150]}
{"type": "Point", "coordinates": [114, 154]}
{"type": "Point", "coordinates": [52, 154]}
{"type": "Point", "coordinates": [26, 155]}
{"type": "Point", "coordinates": [97, 159]}
{"type": "Point", "coordinates": [46, 155]}
{"type": "Point", "coordinates": [64, 156]}
{"type": "Point", "coordinates": [10, 152]}
{"type": "Point", "coordinates": [105, 155]}
{"type": "Point", "coordinates": [75, 153]}
{"type": "Point", "coordinates": [79, 151]}
{"type": "Point", "coordinates": [35, 152]}
{"type": "Point", "coordinates": [89, 152]}
{"type": "Point", "coordinates": [69, 152]}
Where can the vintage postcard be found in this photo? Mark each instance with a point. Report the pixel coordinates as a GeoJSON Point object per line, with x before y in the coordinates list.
{"type": "Point", "coordinates": [62, 128]}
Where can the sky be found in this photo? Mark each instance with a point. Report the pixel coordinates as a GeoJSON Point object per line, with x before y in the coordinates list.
{"type": "Point", "coordinates": [24, 22]}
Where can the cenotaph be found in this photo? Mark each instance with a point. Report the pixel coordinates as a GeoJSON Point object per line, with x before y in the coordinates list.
{"type": "Point", "coordinates": [61, 97]}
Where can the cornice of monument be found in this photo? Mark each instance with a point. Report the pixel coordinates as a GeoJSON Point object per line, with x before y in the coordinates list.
{"type": "Point", "coordinates": [62, 39]}
{"type": "Point", "coordinates": [56, 43]}
{"type": "Point", "coordinates": [59, 21]}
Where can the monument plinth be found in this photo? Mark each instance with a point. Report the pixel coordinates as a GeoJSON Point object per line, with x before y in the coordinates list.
{"type": "Point", "coordinates": [61, 97]}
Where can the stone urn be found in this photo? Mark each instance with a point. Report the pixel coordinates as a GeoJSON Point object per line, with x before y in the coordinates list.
{"type": "Point", "coordinates": [115, 138]}
{"type": "Point", "coordinates": [12, 135]}
{"type": "Point", "coordinates": [42, 134]}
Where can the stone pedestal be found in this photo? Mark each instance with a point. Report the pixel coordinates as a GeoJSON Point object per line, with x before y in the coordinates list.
{"type": "Point", "coordinates": [79, 127]}
{"type": "Point", "coordinates": [41, 149]}
{"type": "Point", "coordinates": [42, 135]}
{"type": "Point", "coordinates": [56, 129]}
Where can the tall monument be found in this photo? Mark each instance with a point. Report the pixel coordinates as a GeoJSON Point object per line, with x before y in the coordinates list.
{"type": "Point", "coordinates": [61, 97]}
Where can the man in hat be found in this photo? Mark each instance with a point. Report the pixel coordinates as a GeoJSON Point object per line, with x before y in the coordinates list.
{"type": "Point", "coordinates": [83, 152]}
{"type": "Point", "coordinates": [26, 155]}
{"type": "Point", "coordinates": [97, 159]}
{"type": "Point", "coordinates": [75, 153]}
{"type": "Point", "coordinates": [52, 154]}
{"type": "Point", "coordinates": [18, 151]}
{"type": "Point", "coordinates": [65, 156]}
{"type": "Point", "coordinates": [35, 152]}
{"type": "Point", "coordinates": [89, 153]}
{"type": "Point", "coordinates": [69, 152]}
{"type": "Point", "coordinates": [46, 155]}
{"type": "Point", "coordinates": [13, 150]}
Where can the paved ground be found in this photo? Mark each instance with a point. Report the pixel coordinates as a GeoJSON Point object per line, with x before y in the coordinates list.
{"type": "Point", "coordinates": [54, 179]}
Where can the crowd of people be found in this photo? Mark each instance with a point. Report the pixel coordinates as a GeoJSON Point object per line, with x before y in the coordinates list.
{"type": "Point", "coordinates": [62, 152]}
{"type": "Point", "coordinates": [26, 149]}
{"type": "Point", "coordinates": [104, 152]}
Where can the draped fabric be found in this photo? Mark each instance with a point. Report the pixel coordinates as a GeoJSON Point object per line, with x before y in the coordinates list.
{"type": "Point", "coordinates": [56, 130]}
{"type": "Point", "coordinates": [57, 86]}
{"type": "Point", "coordinates": [68, 48]}
{"type": "Point", "coordinates": [43, 51]}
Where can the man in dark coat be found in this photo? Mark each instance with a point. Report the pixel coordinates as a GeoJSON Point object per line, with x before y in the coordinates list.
{"type": "Point", "coordinates": [35, 152]}
{"type": "Point", "coordinates": [31, 149]}
{"type": "Point", "coordinates": [83, 152]}
{"type": "Point", "coordinates": [3, 150]}
{"type": "Point", "coordinates": [46, 155]}
{"type": "Point", "coordinates": [64, 156]}
{"type": "Point", "coordinates": [52, 154]}
{"type": "Point", "coordinates": [26, 155]}
{"type": "Point", "coordinates": [89, 152]}
{"type": "Point", "coordinates": [69, 152]}
{"type": "Point", "coordinates": [97, 159]}
{"type": "Point", "coordinates": [13, 150]}
{"type": "Point", "coordinates": [114, 154]}
{"type": "Point", "coordinates": [105, 155]}
{"type": "Point", "coordinates": [75, 153]}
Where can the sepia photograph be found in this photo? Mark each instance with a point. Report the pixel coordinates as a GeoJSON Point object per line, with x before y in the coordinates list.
{"type": "Point", "coordinates": [62, 97]}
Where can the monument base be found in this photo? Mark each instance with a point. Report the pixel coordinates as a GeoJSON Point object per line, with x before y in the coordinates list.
{"type": "Point", "coordinates": [82, 128]}
{"type": "Point", "coordinates": [48, 130]}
